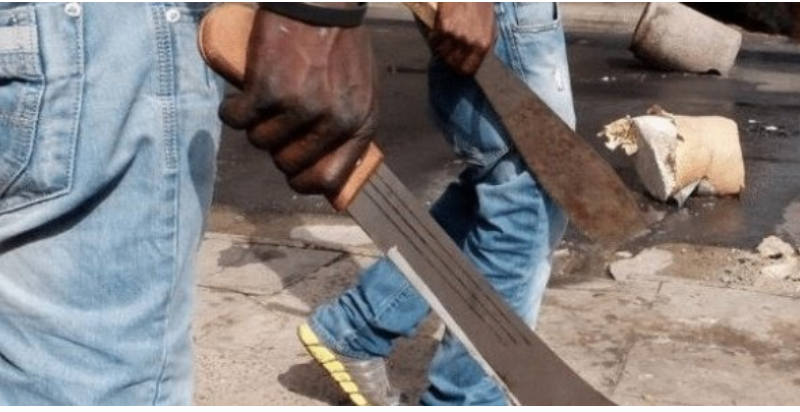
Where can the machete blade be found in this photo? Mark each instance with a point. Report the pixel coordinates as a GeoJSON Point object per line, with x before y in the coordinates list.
{"type": "Point", "coordinates": [506, 347]}
{"type": "Point", "coordinates": [570, 170]}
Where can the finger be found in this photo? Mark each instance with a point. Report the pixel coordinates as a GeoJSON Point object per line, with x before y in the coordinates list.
{"type": "Point", "coordinates": [300, 154]}
{"type": "Point", "coordinates": [329, 174]}
{"type": "Point", "coordinates": [238, 111]}
{"type": "Point", "coordinates": [272, 133]}
{"type": "Point", "coordinates": [441, 44]}
{"type": "Point", "coordinates": [303, 151]}
{"type": "Point", "coordinates": [456, 59]}
{"type": "Point", "coordinates": [471, 62]}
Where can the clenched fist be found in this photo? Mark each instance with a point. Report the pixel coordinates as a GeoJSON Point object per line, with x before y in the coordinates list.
{"type": "Point", "coordinates": [308, 97]}
{"type": "Point", "coordinates": [462, 34]}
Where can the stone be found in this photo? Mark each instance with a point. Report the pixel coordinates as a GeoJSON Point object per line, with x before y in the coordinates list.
{"type": "Point", "coordinates": [773, 247]}
{"type": "Point", "coordinates": [648, 263]}
{"type": "Point", "coordinates": [788, 269]}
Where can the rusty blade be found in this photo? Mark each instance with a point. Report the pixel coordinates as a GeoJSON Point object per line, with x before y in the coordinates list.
{"type": "Point", "coordinates": [572, 172]}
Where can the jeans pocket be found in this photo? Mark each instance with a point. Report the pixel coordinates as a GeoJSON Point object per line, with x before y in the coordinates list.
{"type": "Point", "coordinates": [532, 43]}
{"type": "Point", "coordinates": [534, 17]}
{"type": "Point", "coordinates": [33, 166]}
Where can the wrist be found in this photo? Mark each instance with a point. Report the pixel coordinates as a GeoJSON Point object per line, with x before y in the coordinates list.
{"type": "Point", "coordinates": [340, 14]}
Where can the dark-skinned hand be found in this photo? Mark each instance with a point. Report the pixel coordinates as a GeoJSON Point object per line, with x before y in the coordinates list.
{"type": "Point", "coordinates": [309, 98]}
{"type": "Point", "coordinates": [462, 35]}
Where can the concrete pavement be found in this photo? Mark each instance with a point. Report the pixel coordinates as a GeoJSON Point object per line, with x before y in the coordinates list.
{"type": "Point", "coordinates": [677, 324]}
{"type": "Point", "coordinates": [687, 325]}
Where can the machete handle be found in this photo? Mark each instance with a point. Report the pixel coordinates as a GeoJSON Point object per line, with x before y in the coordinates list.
{"type": "Point", "coordinates": [222, 38]}
{"type": "Point", "coordinates": [424, 12]}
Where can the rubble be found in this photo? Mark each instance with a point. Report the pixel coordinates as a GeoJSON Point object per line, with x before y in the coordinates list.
{"type": "Point", "coordinates": [676, 155]}
{"type": "Point", "coordinates": [775, 248]}
{"type": "Point", "coordinates": [623, 254]}
{"type": "Point", "coordinates": [648, 263]}
{"type": "Point", "coordinates": [786, 266]}
{"type": "Point", "coordinates": [788, 269]}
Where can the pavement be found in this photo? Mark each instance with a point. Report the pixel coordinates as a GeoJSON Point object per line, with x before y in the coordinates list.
{"type": "Point", "coordinates": [671, 322]}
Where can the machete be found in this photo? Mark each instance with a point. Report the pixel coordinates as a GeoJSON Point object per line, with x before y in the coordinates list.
{"type": "Point", "coordinates": [573, 173]}
{"type": "Point", "coordinates": [506, 347]}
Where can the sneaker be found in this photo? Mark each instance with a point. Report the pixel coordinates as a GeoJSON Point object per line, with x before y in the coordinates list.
{"type": "Point", "coordinates": [365, 381]}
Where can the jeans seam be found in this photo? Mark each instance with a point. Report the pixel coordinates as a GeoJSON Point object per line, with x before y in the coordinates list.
{"type": "Point", "coordinates": [166, 85]}
{"type": "Point", "coordinates": [80, 61]}
{"type": "Point", "coordinates": [333, 343]}
{"type": "Point", "coordinates": [513, 49]}
{"type": "Point", "coordinates": [393, 301]}
{"type": "Point", "coordinates": [165, 93]}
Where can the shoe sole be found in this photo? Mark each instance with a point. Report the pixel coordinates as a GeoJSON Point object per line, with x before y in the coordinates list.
{"type": "Point", "coordinates": [328, 360]}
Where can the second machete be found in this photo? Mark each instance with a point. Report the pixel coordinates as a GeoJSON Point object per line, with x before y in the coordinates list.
{"type": "Point", "coordinates": [573, 173]}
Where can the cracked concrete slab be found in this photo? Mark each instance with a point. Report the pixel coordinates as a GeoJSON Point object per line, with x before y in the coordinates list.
{"type": "Point", "coordinates": [589, 328]}
{"type": "Point", "coordinates": [678, 342]}
{"type": "Point", "coordinates": [241, 350]}
{"type": "Point", "coordinates": [757, 315]}
{"type": "Point", "coordinates": [246, 350]}
{"type": "Point", "coordinates": [256, 269]}
{"type": "Point", "coordinates": [668, 372]}
{"type": "Point", "coordinates": [247, 353]}
{"type": "Point", "coordinates": [671, 338]}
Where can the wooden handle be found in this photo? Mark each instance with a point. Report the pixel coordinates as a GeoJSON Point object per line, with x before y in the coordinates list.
{"type": "Point", "coordinates": [223, 38]}
{"type": "Point", "coordinates": [424, 11]}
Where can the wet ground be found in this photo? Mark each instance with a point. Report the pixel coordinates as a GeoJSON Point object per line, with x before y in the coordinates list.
{"type": "Point", "coordinates": [761, 95]}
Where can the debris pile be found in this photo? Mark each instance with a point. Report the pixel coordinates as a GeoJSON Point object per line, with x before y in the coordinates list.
{"type": "Point", "coordinates": [774, 267]}
{"type": "Point", "coordinates": [785, 264]}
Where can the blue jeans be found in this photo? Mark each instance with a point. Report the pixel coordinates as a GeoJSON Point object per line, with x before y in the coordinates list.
{"type": "Point", "coordinates": [108, 139]}
{"type": "Point", "coordinates": [496, 212]}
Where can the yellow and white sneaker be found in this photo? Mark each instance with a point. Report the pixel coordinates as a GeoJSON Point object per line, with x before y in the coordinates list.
{"type": "Point", "coordinates": [365, 381]}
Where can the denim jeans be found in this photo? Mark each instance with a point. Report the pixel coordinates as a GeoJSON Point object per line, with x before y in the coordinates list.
{"type": "Point", "coordinates": [496, 212]}
{"type": "Point", "coordinates": [108, 139]}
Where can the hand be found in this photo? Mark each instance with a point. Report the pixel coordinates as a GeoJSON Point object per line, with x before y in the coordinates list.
{"type": "Point", "coordinates": [308, 97]}
{"type": "Point", "coordinates": [462, 34]}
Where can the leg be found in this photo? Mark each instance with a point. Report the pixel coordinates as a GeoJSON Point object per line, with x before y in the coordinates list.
{"type": "Point", "coordinates": [517, 224]}
{"type": "Point", "coordinates": [513, 249]}
{"type": "Point", "coordinates": [98, 230]}
{"type": "Point", "coordinates": [493, 198]}
{"type": "Point", "coordinates": [350, 336]}
{"type": "Point", "coordinates": [364, 321]}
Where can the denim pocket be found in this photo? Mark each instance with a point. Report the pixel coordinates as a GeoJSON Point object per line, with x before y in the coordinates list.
{"type": "Point", "coordinates": [35, 163]}
{"type": "Point", "coordinates": [534, 17]}
{"type": "Point", "coordinates": [532, 43]}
